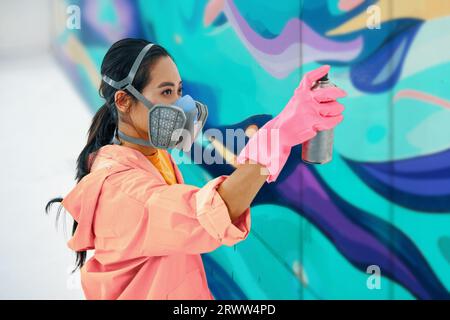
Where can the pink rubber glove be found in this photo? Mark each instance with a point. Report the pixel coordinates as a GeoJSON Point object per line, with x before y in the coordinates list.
{"type": "Point", "coordinates": [306, 113]}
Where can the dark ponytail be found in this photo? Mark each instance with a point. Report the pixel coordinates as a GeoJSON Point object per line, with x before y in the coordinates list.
{"type": "Point", "coordinates": [116, 64]}
{"type": "Point", "coordinates": [100, 134]}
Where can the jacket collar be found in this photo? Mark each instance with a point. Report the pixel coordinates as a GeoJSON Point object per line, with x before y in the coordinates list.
{"type": "Point", "coordinates": [115, 154]}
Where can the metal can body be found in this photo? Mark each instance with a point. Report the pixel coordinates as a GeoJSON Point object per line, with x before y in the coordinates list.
{"type": "Point", "coordinates": [319, 150]}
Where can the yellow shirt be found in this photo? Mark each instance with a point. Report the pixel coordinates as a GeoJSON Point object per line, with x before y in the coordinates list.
{"type": "Point", "coordinates": [161, 161]}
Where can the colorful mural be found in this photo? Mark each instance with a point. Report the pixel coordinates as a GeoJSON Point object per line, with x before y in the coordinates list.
{"type": "Point", "coordinates": [383, 201]}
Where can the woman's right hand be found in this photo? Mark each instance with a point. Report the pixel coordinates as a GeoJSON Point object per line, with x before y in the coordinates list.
{"type": "Point", "coordinates": [306, 113]}
{"type": "Point", "coordinates": [310, 111]}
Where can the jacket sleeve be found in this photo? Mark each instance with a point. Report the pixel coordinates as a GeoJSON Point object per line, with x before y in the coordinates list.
{"type": "Point", "coordinates": [181, 218]}
{"type": "Point", "coordinates": [187, 219]}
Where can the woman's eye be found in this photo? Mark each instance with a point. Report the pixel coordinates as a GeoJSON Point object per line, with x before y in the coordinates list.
{"type": "Point", "coordinates": [169, 92]}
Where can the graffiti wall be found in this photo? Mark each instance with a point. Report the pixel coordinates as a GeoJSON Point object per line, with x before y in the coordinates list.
{"type": "Point", "coordinates": [372, 224]}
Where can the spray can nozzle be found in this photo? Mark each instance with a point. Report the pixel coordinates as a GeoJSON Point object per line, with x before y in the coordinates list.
{"type": "Point", "coordinates": [324, 78]}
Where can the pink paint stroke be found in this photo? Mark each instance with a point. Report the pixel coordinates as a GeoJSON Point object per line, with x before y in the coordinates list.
{"type": "Point", "coordinates": [419, 95]}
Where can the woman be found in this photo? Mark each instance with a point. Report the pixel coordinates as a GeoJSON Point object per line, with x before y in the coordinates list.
{"type": "Point", "coordinates": [131, 205]}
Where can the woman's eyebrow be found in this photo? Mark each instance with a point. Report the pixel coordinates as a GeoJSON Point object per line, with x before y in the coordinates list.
{"type": "Point", "coordinates": [165, 84]}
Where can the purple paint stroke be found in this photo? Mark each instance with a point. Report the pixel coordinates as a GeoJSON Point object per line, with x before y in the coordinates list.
{"type": "Point", "coordinates": [429, 187]}
{"type": "Point", "coordinates": [281, 55]}
{"type": "Point", "coordinates": [422, 163]}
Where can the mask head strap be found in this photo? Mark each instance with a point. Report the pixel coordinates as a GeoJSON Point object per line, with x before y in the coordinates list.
{"type": "Point", "coordinates": [128, 80]}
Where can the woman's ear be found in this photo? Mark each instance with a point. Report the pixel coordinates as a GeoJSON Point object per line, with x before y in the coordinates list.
{"type": "Point", "coordinates": [122, 101]}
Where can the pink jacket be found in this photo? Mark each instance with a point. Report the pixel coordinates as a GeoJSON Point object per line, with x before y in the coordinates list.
{"type": "Point", "coordinates": [147, 235]}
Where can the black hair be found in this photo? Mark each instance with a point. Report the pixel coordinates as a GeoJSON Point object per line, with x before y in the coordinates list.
{"type": "Point", "coordinates": [116, 64]}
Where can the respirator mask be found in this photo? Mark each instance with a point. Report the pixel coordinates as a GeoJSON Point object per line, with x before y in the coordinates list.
{"type": "Point", "coordinates": [169, 126]}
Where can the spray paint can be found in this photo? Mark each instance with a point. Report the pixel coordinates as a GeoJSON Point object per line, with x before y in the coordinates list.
{"type": "Point", "coordinates": [319, 149]}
